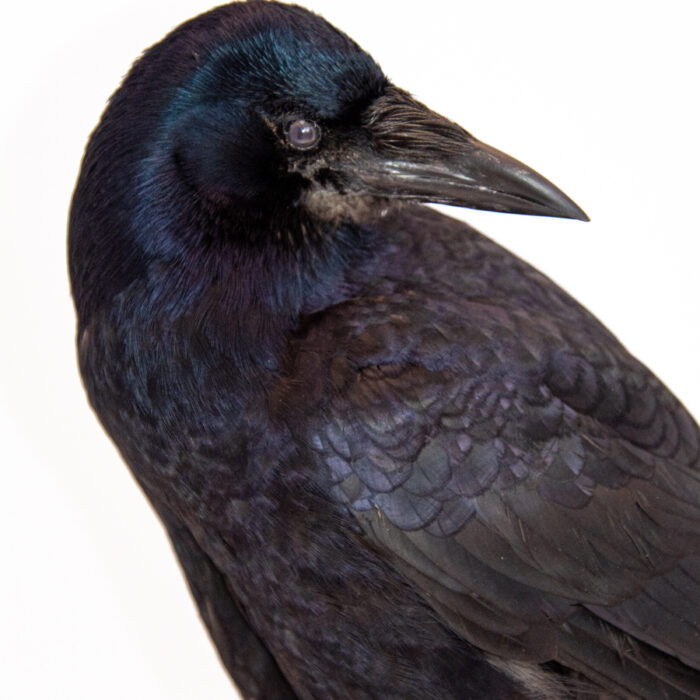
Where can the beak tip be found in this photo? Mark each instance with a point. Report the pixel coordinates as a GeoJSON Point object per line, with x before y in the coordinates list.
{"type": "Point", "coordinates": [578, 213]}
{"type": "Point", "coordinates": [556, 203]}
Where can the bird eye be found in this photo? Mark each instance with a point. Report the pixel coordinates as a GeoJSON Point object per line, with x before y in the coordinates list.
{"type": "Point", "coordinates": [303, 134]}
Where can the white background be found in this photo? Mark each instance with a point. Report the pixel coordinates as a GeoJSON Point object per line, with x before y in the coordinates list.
{"type": "Point", "coordinates": [599, 97]}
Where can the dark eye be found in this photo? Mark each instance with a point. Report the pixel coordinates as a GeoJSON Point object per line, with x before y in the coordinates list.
{"type": "Point", "coordinates": [303, 134]}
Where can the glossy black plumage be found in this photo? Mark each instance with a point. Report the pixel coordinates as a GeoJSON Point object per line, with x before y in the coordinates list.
{"type": "Point", "coordinates": [394, 460]}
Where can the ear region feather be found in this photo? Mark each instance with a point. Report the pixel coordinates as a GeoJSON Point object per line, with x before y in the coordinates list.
{"type": "Point", "coordinates": [225, 153]}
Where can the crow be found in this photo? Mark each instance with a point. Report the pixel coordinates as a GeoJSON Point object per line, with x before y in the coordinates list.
{"type": "Point", "coordinates": [394, 460]}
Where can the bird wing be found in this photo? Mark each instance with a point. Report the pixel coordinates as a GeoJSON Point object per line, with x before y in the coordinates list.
{"type": "Point", "coordinates": [243, 653]}
{"type": "Point", "coordinates": [541, 489]}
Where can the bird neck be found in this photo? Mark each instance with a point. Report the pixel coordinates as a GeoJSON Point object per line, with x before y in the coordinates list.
{"type": "Point", "coordinates": [244, 291]}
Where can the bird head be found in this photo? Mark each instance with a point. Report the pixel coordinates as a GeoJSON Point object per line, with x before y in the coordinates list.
{"type": "Point", "coordinates": [288, 114]}
{"type": "Point", "coordinates": [262, 124]}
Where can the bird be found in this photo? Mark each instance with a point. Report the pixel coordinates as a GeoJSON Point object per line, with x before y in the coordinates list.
{"type": "Point", "coordinates": [393, 459]}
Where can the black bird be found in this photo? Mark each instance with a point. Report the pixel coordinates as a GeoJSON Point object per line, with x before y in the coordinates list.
{"type": "Point", "coordinates": [394, 460]}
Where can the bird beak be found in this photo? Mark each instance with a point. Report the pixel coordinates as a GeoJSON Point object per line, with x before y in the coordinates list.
{"type": "Point", "coordinates": [418, 155]}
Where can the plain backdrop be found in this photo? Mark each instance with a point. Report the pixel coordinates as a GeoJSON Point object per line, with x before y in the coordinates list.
{"type": "Point", "coordinates": [600, 97]}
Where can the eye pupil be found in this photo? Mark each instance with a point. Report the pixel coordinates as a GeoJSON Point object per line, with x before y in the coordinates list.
{"type": "Point", "coordinates": [303, 134]}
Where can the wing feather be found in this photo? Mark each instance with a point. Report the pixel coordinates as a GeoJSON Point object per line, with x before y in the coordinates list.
{"type": "Point", "coordinates": [516, 494]}
{"type": "Point", "coordinates": [537, 484]}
